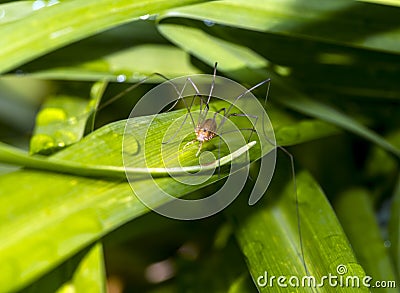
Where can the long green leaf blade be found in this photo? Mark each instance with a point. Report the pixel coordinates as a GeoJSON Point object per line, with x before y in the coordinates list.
{"type": "Point", "coordinates": [47, 211]}
{"type": "Point", "coordinates": [236, 60]}
{"type": "Point", "coordinates": [361, 227]}
{"type": "Point", "coordinates": [57, 25]}
{"type": "Point", "coordinates": [269, 238]}
{"type": "Point", "coordinates": [287, 18]}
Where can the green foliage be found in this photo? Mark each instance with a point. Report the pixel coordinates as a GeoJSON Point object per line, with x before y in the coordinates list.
{"type": "Point", "coordinates": [69, 221]}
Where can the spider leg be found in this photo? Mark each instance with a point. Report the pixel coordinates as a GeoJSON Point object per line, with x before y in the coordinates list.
{"type": "Point", "coordinates": [187, 106]}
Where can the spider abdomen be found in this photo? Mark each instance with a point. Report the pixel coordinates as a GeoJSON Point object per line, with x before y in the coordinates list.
{"type": "Point", "coordinates": [206, 130]}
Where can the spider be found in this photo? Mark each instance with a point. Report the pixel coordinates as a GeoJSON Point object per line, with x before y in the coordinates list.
{"type": "Point", "coordinates": [206, 128]}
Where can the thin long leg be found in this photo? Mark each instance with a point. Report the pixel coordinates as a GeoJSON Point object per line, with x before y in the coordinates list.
{"type": "Point", "coordinates": [219, 111]}
{"type": "Point", "coordinates": [237, 115]}
{"type": "Point", "coordinates": [246, 92]}
{"type": "Point", "coordinates": [297, 205]}
{"type": "Point", "coordinates": [215, 115]}
{"type": "Point", "coordinates": [207, 108]}
{"type": "Point", "coordinates": [219, 156]}
{"type": "Point", "coordinates": [131, 88]}
{"type": "Point", "coordinates": [253, 129]}
{"type": "Point", "coordinates": [118, 96]}
{"type": "Point", "coordinates": [180, 97]}
{"type": "Point", "coordinates": [212, 83]}
{"type": "Point", "coordinates": [227, 114]}
{"type": "Point", "coordinates": [188, 107]}
{"type": "Point", "coordinates": [124, 92]}
{"type": "Point", "coordinates": [293, 175]}
{"type": "Point", "coordinates": [220, 139]}
{"type": "Point", "coordinates": [202, 115]}
{"type": "Point", "coordinates": [223, 110]}
{"type": "Point", "coordinates": [174, 104]}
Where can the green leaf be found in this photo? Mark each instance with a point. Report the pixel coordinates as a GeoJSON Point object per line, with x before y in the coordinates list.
{"type": "Point", "coordinates": [53, 26]}
{"type": "Point", "coordinates": [62, 120]}
{"type": "Point", "coordinates": [237, 60]}
{"type": "Point", "coordinates": [337, 62]}
{"type": "Point", "coordinates": [312, 107]}
{"type": "Point", "coordinates": [105, 160]}
{"type": "Point", "coordinates": [90, 275]}
{"type": "Point", "coordinates": [68, 162]}
{"type": "Point", "coordinates": [53, 216]}
{"type": "Point", "coordinates": [383, 2]}
{"type": "Point", "coordinates": [287, 18]}
{"type": "Point", "coordinates": [49, 207]}
{"type": "Point", "coordinates": [58, 110]}
{"type": "Point", "coordinates": [118, 66]}
{"type": "Point", "coordinates": [361, 227]}
{"type": "Point", "coordinates": [83, 272]}
{"type": "Point", "coordinates": [269, 237]}
{"type": "Point", "coordinates": [59, 216]}
{"type": "Point", "coordinates": [242, 62]}
{"type": "Point", "coordinates": [15, 10]}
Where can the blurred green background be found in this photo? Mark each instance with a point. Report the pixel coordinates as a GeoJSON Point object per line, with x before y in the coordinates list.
{"type": "Point", "coordinates": [334, 102]}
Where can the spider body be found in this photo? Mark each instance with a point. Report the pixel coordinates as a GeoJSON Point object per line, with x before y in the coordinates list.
{"type": "Point", "coordinates": [205, 131]}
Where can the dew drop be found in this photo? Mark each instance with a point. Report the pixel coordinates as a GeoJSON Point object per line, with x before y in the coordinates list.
{"type": "Point", "coordinates": [121, 78]}
{"type": "Point", "coordinates": [40, 142]}
{"type": "Point", "coordinates": [144, 17]}
{"type": "Point", "coordinates": [38, 4]}
{"type": "Point", "coordinates": [208, 22]}
{"type": "Point", "coordinates": [51, 115]}
{"type": "Point", "coordinates": [53, 2]}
